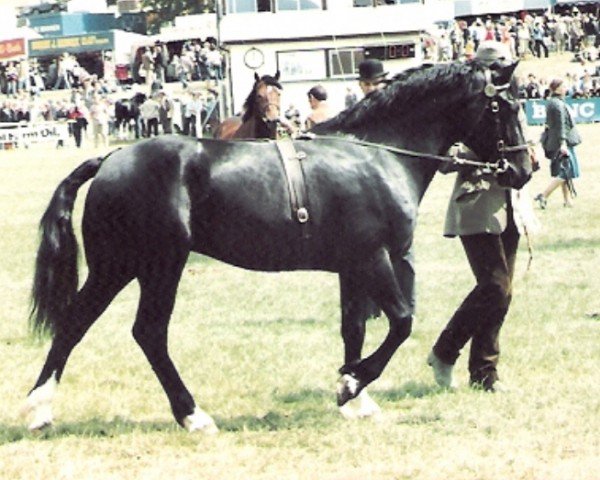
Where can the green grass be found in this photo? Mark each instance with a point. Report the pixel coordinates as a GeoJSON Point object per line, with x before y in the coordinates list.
{"type": "Point", "coordinates": [260, 352]}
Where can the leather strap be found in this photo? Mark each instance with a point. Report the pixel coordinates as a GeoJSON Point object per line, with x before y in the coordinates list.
{"type": "Point", "coordinates": [291, 161]}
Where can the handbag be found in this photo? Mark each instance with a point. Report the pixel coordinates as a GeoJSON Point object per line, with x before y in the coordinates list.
{"type": "Point", "coordinates": [573, 137]}
{"type": "Point", "coordinates": [544, 138]}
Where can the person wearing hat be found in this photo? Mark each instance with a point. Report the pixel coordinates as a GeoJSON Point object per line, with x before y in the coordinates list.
{"type": "Point", "coordinates": [371, 75]}
{"type": "Point", "coordinates": [562, 137]}
{"type": "Point", "coordinates": [321, 111]}
{"type": "Point", "coordinates": [488, 219]}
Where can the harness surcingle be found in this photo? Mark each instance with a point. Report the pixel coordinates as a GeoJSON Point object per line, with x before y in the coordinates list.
{"type": "Point", "coordinates": [291, 161]}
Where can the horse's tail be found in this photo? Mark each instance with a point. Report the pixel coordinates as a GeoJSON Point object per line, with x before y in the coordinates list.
{"type": "Point", "coordinates": [56, 278]}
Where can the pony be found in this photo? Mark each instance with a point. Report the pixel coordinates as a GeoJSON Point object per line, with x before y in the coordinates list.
{"type": "Point", "coordinates": [261, 109]}
{"type": "Point", "coordinates": [127, 115]}
{"type": "Point", "coordinates": [153, 202]}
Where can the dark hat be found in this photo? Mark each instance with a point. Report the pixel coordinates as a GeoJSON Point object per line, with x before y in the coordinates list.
{"type": "Point", "coordinates": [371, 69]}
{"type": "Point", "coordinates": [318, 92]}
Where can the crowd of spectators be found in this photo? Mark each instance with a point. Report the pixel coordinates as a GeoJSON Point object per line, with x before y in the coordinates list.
{"type": "Point", "coordinates": [524, 34]}
{"type": "Point", "coordinates": [90, 100]}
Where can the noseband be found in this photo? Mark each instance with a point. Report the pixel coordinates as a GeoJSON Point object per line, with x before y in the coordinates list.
{"type": "Point", "coordinates": [494, 94]}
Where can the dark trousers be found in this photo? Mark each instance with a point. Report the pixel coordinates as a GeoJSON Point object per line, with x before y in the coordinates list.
{"type": "Point", "coordinates": [152, 127]}
{"type": "Point", "coordinates": [481, 314]}
{"type": "Point", "coordinates": [539, 46]}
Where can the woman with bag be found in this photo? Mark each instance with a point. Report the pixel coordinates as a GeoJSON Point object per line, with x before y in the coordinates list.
{"type": "Point", "coordinates": [559, 141]}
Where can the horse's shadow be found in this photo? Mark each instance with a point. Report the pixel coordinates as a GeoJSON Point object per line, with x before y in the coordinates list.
{"type": "Point", "coordinates": [305, 408]}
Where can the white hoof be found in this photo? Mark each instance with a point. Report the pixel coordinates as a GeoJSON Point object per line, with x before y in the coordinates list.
{"type": "Point", "coordinates": [38, 405]}
{"type": "Point", "coordinates": [362, 406]}
{"type": "Point", "coordinates": [200, 421]}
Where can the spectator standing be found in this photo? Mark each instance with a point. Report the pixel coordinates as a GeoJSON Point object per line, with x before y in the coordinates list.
{"type": "Point", "coordinates": [559, 146]}
{"type": "Point", "coordinates": [166, 110]}
{"type": "Point", "coordinates": [214, 60]}
{"type": "Point", "coordinates": [148, 66]}
{"type": "Point", "coordinates": [150, 111]}
{"type": "Point", "coordinates": [100, 116]}
{"type": "Point", "coordinates": [77, 115]}
{"type": "Point", "coordinates": [12, 78]}
{"type": "Point", "coordinates": [192, 111]}
{"type": "Point", "coordinates": [537, 36]}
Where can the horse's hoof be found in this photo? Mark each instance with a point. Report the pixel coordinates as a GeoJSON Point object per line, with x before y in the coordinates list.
{"type": "Point", "coordinates": [363, 406]}
{"type": "Point", "coordinates": [347, 389]}
{"type": "Point", "coordinates": [200, 421]}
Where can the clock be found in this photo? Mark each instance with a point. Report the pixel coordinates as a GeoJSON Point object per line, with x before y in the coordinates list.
{"type": "Point", "coordinates": [254, 58]}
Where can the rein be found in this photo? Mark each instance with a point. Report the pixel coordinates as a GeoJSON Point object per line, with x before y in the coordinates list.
{"type": "Point", "coordinates": [499, 166]}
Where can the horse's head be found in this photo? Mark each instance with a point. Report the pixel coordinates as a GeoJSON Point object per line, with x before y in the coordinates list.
{"type": "Point", "coordinates": [264, 101]}
{"type": "Point", "coordinates": [496, 134]}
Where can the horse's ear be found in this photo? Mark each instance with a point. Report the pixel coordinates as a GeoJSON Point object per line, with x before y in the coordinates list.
{"type": "Point", "coordinates": [277, 74]}
{"type": "Point", "coordinates": [503, 73]}
{"type": "Point", "coordinates": [256, 77]}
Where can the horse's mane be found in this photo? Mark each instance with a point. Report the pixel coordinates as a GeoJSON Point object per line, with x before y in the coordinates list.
{"type": "Point", "coordinates": [416, 90]}
{"type": "Point", "coordinates": [250, 102]}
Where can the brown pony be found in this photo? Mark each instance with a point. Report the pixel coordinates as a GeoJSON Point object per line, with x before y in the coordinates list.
{"type": "Point", "coordinates": [261, 112]}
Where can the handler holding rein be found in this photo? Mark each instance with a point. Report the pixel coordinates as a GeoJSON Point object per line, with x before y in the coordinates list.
{"type": "Point", "coordinates": [488, 219]}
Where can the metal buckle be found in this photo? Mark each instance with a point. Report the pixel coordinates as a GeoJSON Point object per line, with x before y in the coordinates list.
{"type": "Point", "coordinates": [302, 215]}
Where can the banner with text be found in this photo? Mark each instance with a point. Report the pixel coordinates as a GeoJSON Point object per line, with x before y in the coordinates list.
{"type": "Point", "coordinates": [12, 48]}
{"type": "Point", "coordinates": [583, 110]}
{"type": "Point", "coordinates": [26, 134]}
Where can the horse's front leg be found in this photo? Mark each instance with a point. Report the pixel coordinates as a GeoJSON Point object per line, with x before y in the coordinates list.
{"type": "Point", "coordinates": [356, 309]}
{"type": "Point", "coordinates": [384, 287]}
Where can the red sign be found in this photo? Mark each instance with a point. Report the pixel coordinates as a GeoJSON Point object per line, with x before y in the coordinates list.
{"type": "Point", "coordinates": [12, 48]}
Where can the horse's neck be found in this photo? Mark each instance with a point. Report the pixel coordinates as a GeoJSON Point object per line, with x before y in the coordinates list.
{"type": "Point", "coordinates": [254, 127]}
{"type": "Point", "coordinates": [429, 141]}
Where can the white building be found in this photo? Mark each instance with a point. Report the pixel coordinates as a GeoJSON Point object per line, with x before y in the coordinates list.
{"type": "Point", "coordinates": [321, 42]}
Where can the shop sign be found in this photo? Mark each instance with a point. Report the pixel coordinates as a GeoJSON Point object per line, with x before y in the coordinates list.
{"type": "Point", "coordinates": [12, 48]}
{"type": "Point", "coordinates": [72, 44]}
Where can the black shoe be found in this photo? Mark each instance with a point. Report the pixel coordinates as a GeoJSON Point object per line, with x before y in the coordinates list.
{"type": "Point", "coordinates": [541, 200]}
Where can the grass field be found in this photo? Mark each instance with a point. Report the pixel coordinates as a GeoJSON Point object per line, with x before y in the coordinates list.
{"type": "Point", "coordinates": [260, 353]}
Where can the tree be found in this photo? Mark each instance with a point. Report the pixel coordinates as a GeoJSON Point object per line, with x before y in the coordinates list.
{"type": "Point", "coordinates": [167, 10]}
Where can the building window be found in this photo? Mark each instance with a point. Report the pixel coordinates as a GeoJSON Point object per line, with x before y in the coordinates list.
{"type": "Point", "coordinates": [241, 6]}
{"type": "Point", "coordinates": [299, 65]}
{"type": "Point", "coordinates": [344, 63]}
{"type": "Point", "coordinates": [283, 5]}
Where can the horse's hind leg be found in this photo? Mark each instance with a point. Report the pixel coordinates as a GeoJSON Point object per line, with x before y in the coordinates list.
{"type": "Point", "coordinates": [93, 298]}
{"type": "Point", "coordinates": [158, 289]}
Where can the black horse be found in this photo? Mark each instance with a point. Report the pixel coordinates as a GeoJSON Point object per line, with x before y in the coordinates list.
{"type": "Point", "coordinates": [152, 203]}
{"type": "Point", "coordinates": [127, 116]}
